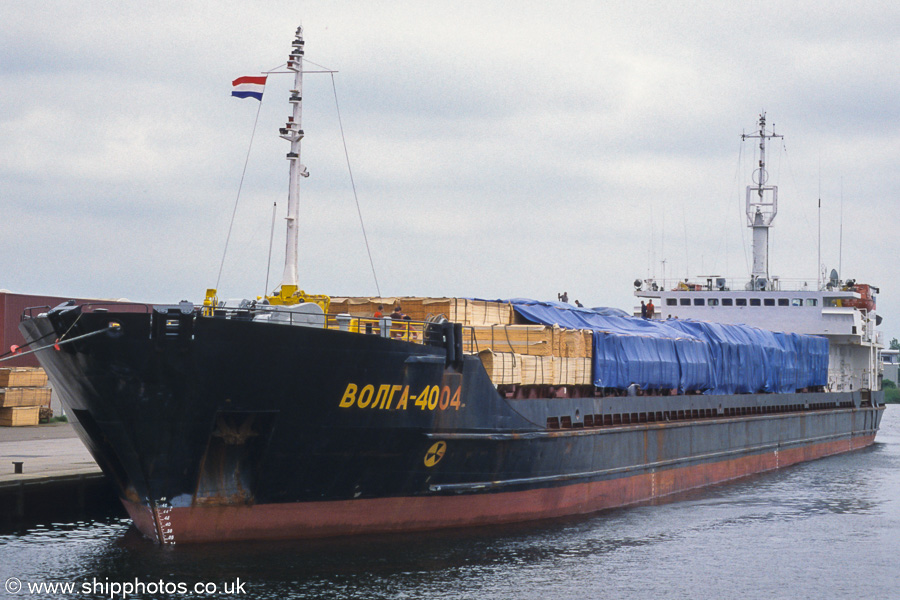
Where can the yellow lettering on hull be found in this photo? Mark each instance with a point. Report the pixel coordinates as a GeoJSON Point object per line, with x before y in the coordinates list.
{"type": "Point", "coordinates": [365, 396]}
{"type": "Point", "coordinates": [432, 398]}
{"type": "Point", "coordinates": [349, 396]}
{"type": "Point", "coordinates": [401, 405]}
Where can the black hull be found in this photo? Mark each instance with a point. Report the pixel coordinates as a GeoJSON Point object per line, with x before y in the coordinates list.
{"type": "Point", "coordinates": [216, 428]}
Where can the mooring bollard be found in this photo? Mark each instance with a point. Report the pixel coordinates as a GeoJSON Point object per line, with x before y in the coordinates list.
{"type": "Point", "coordinates": [17, 467]}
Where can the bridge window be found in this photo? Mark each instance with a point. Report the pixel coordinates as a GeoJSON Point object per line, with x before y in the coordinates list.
{"type": "Point", "coordinates": [796, 301]}
{"type": "Point", "coordinates": [769, 301]}
{"type": "Point", "coordinates": [783, 302]}
{"type": "Point", "coordinates": [698, 301]}
{"type": "Point", "coordinates": [727, 302]}
{"type": "Point", "coordinates": [685, 301]}
{"type": "Point", "coordinates": [812, 301]}
{"type": "Point", "coordinates": [754, 302]}
{"type": "Point", "coordinates": [671, 301]}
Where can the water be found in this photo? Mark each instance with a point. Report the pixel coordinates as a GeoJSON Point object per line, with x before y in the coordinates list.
{"type": "Point", "coordinates": [826, 529]}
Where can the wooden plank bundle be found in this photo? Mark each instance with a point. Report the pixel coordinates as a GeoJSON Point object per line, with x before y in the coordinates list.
{"type": "Point", "coordinates": [470, 312]}
{"type": "Point", "coordinates": [504, 368]}
{"type": "Point", "coordinates": [368, 306]}
{"type": "Point", "coordinates": [411, 306]}
{"type": "Point", "coordinates": [572, 343]}
{"type": "Point", "coordinates": [22, 377]}
{"type": "Point", "coordinates": [565, 354]}
{"type": "Point", "coordinates": [361, 306]}
{"type": "Point", "coordinates": [458, 310]}
{"type": "Point", "coordinates": [19, 416]}
{"type": "Point", "coordinates": [572, 370]}
{"type": "Point", "coordinates": [507, 368]}
{"type": "Point", "coordinates": [538, 370]}
{"type": "Point", "coordinates": [533, 340]}
{"type": "Point", "coordinates": [339, 305]}
{"type": "Point", "coordinates": [22, 394]}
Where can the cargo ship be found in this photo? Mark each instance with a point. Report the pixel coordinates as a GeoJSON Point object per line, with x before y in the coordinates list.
{"type": "Point", "coordinates": [300, 415]}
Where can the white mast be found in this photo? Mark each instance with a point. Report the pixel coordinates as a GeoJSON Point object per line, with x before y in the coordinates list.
{"type": "Point", "coordinates": [293, 133]}
{"type": "Point", "coordinates": [762, 206]}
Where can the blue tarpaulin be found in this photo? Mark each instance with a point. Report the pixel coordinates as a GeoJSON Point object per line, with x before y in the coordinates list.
{"type": "Point", "coordinates": [686, 355]}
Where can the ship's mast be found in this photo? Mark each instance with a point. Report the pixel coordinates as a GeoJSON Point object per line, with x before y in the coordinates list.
{"type": "Point", "coordinates": [293, 132]}
{"type": "Point", "coordinates": [762, 206]}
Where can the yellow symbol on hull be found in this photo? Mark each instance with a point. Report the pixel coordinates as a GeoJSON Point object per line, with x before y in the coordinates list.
{"type": "Point", "coordinates": [435, 453]}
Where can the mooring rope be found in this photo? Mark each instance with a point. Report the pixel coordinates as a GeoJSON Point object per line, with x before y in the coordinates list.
{"type": "Point", "coordinates": [57, 343]}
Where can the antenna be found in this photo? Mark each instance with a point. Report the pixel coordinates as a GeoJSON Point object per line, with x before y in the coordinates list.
{"type": "Point", "coordinates": [652, 257]}
{"type": "Point", "coordinates": [841, 237]}
{"type": "Point", "coordinates": [662, 244]}
{"type": "Point", "coordinates": [687, 268]}
{"type": "Point", "coordinates": [819, 254]}
{"type": "Point", "coordinates": [271, 239]}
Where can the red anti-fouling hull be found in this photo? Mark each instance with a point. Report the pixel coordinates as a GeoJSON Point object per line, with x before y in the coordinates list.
{"type": "Point", "coordinates": [403, 514]}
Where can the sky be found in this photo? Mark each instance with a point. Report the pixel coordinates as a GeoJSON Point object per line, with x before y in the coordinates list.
{"type": "Point", "coordinates": [498, 149]}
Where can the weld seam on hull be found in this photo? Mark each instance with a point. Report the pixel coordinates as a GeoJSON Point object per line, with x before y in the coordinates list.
{"type": "Point", "coordinates": [451, 487]}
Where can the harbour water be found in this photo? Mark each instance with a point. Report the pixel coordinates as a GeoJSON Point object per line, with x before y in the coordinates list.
{"type": "Point", "coordinates": [820, 530]}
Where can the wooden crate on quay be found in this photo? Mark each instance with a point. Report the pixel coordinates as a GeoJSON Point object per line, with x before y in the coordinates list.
{"type": "Point", "coordinates": [14, 397]}
{"type": "Point", "coordinates": [23, 393]}
{"type": "Point", "coordinates": [19, 416]}
{"type": "Point", "coordinates": [22, 377]}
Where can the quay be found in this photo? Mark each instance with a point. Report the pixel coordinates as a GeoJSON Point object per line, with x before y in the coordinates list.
{"type": "Point", "coordinates": [58, 475]}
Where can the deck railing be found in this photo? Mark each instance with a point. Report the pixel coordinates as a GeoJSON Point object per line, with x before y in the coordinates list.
{"type": "Point", "coordinates": [404, 330]}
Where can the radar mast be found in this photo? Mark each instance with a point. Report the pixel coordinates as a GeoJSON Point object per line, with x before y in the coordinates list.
{"type": "Point", "coordinates": [762, 206]}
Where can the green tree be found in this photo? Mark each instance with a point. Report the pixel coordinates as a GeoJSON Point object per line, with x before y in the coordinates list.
{"type": "Point", "coordinates": [895, 344]}
{"type": "Point", "coordinates": [891, 392]}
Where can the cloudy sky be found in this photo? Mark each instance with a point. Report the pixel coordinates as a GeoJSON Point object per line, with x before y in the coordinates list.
{"type": "Point", "coordinates": [499, 149]}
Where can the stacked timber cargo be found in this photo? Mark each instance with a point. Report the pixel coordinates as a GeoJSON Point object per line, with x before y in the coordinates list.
{"type": "Point", "coordinates": [23, 393]}
{"type": "Point", "coordinates": [532, 354]}
{"type": "Point", "coordinates": [512, 354]}
{"type": "Point", "coordinates": [459, 310]}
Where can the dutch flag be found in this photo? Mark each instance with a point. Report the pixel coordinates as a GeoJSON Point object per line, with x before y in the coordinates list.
{"type": "Point", "coordinates": [248, 87]}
